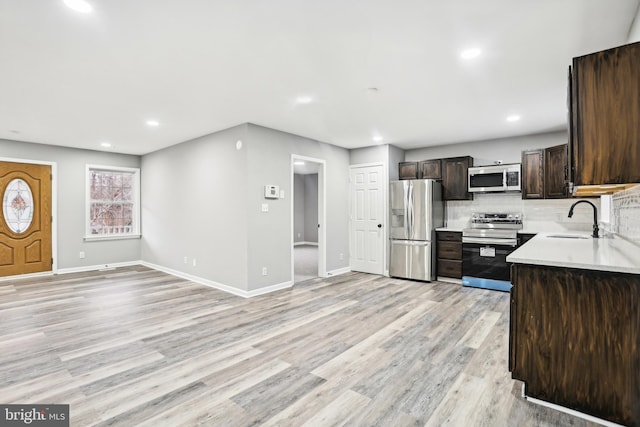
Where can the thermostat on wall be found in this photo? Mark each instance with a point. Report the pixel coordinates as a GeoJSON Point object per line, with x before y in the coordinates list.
{"type": "Point", "coordinates": [271, 191]}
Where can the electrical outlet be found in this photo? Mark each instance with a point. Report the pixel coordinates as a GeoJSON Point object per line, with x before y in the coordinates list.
{"type": "Point", "coordinates": [81, 254]}
{"type": "Point", "coordinates": [265, 207]}
{"type": "Point", "coordinates": [298, 235]}
{"type": "Point", "coordinates": [264, 271]}
{"type": "Point", "coordinates": [186, 260]}
{"type": "Point", "coordinates": [194, 262]}
{"type": "Point", "coordinates": [341, 256]}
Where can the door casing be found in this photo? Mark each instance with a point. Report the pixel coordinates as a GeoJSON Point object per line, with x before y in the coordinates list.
{"type": "Point", "coordinates": [322, 214]}
{"type": "Point", "coordinates": [383, 201]}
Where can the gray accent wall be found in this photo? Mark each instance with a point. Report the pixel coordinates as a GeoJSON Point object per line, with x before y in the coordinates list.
{"type": "Point", "coordinates": [373, 154]}
{"type": "Point", "coordinates": [194, 205]}
{"type": "Point", "coordinates": [203, 199]}
{"type": "Point", "coordinates": [389, 155]}
{"type": "Point", "coordinates": [508, 150]}
{"type": "Point", "coordinates": [305, 208]}
{"type": "Point", "coordinates": [311, 207]}
{"type": "Point", "coordinates": [71, 204]}
{"type": "Point", "coordinates": [269, 234]}
{"type": "Point", "coordinates": [298, 208]}
{"type": "Point", "coordinates": [396, 155]}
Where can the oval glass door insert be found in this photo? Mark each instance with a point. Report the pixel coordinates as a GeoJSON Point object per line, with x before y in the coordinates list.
{"type": "Point", "coordinates": [17, 205]}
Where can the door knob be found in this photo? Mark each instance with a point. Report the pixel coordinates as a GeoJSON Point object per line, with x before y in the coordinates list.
{"type": "Point", "coordinates": [379, 225]}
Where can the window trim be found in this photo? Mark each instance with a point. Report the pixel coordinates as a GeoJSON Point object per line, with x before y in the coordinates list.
{"type": "Point", "coordinates": [136, 233]}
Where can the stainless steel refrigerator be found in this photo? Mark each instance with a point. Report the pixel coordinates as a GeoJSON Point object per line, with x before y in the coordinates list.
{"type": "Point", "coordinates": [416, 210]}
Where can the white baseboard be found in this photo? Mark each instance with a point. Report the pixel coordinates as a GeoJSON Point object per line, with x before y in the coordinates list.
{"type": "Point", "coordinates": [26, 276]}
{"type": "Point", "coordinates": [268, 289]}
{"type": "Point", "coordinates": [305, 243]}
{"type": "Point", "coordinates": [339, 271]}
{"type": "Point", "coordinates": [449, 280]}
{"type": "Point", "coordinates": [573, 412]}
{"type": "Point", "coordinates": [219, 286]}
{"type": "Point", "coordinates": [97, 267]}
{"type": "Point", "coordinates": [202, 281]}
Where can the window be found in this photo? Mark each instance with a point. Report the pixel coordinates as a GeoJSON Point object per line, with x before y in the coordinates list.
{"type": "Point", "coordinates": [113, 202]}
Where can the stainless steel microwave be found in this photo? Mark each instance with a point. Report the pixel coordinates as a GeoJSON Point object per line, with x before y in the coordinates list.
{"type": "Point", "coordinates": [494, 178]}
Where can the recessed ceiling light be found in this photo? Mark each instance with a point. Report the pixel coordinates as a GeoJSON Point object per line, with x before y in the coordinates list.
{"type": "Point", "coordinates": [79, 6]}
{"type": "Point", "coordinates": [153, 123]}
{"type": "Point", "coordinates": [377, 138]}
{"type": "Point", "coordinates": [513, 118]}
{"type": "Point", "coordinates": [298, 162]}
{"type": "Point", "coordinates": [303, 99]}
{"type": "Point", "coordinates": [105, 144]}
{"type": "Point", "coordinates": [470, 53]}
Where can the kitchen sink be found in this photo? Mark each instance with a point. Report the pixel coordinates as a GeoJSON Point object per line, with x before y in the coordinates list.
{"type": "Point", "coordinates": [568, 236]}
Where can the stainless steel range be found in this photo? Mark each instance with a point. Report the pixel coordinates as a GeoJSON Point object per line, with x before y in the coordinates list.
{"type": "Point", "coordinates": [485, 247]}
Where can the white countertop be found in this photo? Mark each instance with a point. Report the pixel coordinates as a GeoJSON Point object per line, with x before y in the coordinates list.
{"type": "Point", "coordinates": [458, 230]}
{"type": "Point", "coordinates": [606, 254]}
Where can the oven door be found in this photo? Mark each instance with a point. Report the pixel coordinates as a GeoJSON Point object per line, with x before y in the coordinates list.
{"type": "Point", "coordinates": [484, 259]}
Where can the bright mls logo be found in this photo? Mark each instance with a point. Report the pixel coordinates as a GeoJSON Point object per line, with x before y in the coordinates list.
{"type": "Point", "coordinates": [34, 415]}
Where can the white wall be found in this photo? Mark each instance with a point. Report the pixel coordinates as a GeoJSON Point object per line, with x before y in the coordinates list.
{"type": "Point", "coordinates": [539, 215]}
{"type": "Point", "coordinates": [634, 33]}
{"type": "Point", "coordinates": [486, 152]}
{"type": "Point", "coordinates": [70, 215]}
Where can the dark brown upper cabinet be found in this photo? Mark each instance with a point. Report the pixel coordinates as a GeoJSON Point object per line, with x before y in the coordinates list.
{"type": "Point", "coordinates": [605, 117]}
{"type": "Point", "coordinates": [544, 173]}
{"type": "Point", "coordinates": [533, 174]}
{"type": "Point", "coordinates": [408, 170]}
{"type": "Point", "coordinates": [430, 169]}
{"type": "Point", "coordinates": [455, 178]}
{"type": "Point", "coordinates": [555, 172]}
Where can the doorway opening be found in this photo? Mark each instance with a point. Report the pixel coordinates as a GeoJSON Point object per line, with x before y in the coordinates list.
{"type": "Point", "coordinates": [308, 224]}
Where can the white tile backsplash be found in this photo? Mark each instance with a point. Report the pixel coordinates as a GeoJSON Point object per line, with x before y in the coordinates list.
{"type": "Point", "coordinates": [625, 213]}
{"type": "Point", "coordinates": [538, 215]}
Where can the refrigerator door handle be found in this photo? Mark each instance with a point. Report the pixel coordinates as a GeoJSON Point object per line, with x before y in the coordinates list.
{"type": "Point", "coordinates": [410, 242]}
{"type": "Point", "coordinates": [410, 210]}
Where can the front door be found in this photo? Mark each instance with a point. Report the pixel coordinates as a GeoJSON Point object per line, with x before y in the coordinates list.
{"type": "Point", "coordinates": [367, 214]}
{"type": "Point", "coordinates": [25, 218]}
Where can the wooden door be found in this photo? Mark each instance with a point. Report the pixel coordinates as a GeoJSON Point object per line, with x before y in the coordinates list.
{"type": "Point", "coordinates": [367, 217]}
{"type": "Point", "coordinates": [25, 218]}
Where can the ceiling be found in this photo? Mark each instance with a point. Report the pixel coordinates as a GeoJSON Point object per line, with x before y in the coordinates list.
{"type": "Point", "coordinates": [369, 68]}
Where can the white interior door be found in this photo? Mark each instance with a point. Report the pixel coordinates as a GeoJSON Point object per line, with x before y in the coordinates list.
{"type": "Point", "coordinates": [367, 236]}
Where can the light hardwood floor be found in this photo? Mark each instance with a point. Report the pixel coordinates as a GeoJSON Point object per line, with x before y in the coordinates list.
{"type": "Point", "coordinates": [135, 346]}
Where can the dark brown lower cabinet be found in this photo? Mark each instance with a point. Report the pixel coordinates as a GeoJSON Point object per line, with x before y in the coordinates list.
{"type": "Point", "coordinates": [449, 254]}
{"type": "Point", "coordinates": [575, 339]}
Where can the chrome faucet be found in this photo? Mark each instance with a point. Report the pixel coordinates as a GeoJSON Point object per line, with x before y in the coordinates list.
{"type": "Point", "coordinates": [595, 216]}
